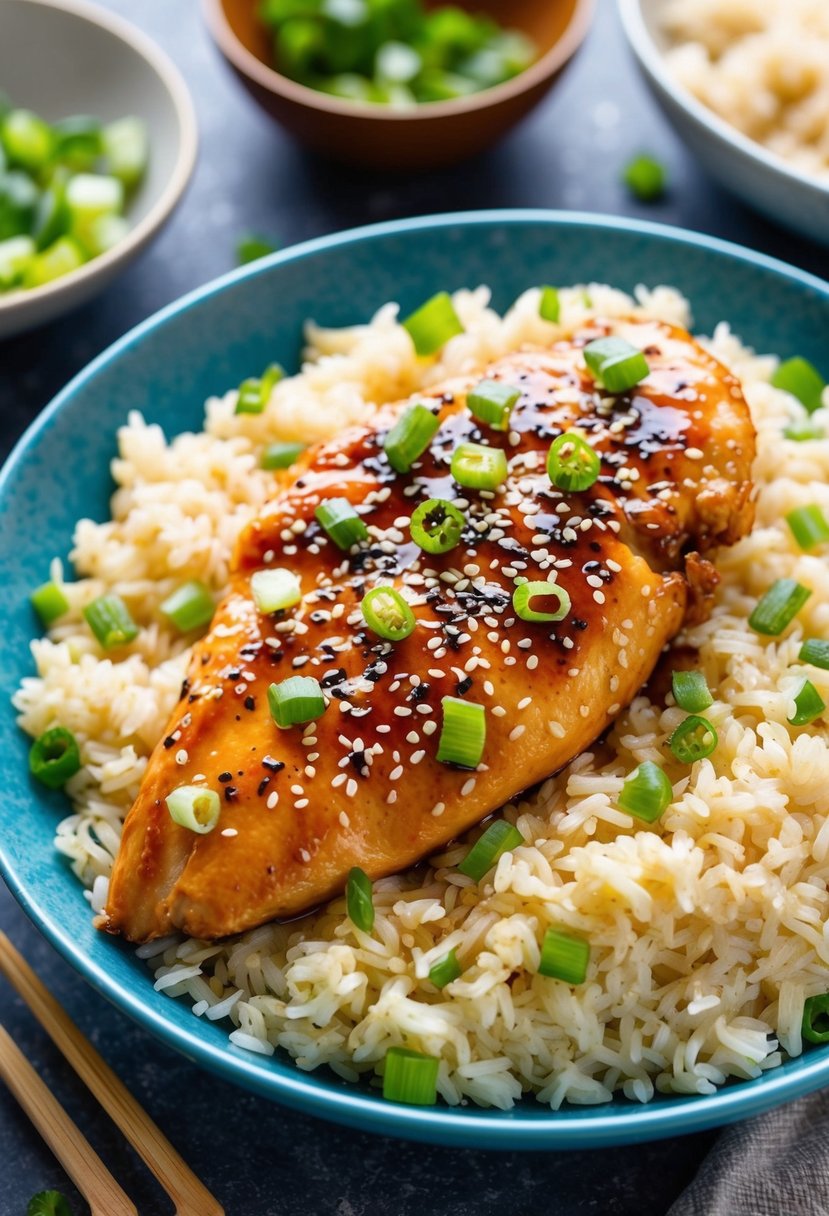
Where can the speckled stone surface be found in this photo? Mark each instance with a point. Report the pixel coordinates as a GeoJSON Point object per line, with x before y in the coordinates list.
{"type": "Point", "coordinates": [256, 1157]}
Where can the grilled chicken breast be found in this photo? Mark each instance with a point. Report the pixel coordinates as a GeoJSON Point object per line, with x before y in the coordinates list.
{"type": "Point", "coordinates": [362, 784]}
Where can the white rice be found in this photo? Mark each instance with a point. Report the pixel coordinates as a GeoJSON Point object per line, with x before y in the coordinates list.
{"type": "Point", "coordinates": [707, 933]}
{"type": "Point", "coordinates": [763, 66]}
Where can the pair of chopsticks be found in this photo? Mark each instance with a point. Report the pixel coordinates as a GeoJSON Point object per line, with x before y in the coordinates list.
{"type": "Point", "coordinates": [83, 1165]}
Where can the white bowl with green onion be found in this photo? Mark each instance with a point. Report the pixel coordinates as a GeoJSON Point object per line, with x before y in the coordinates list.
{"type": "Point", "coordinates": [97, 145]}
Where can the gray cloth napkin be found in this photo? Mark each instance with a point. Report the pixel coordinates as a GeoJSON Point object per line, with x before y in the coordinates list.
{"type": "Point", "coordinates": [774, 1165]}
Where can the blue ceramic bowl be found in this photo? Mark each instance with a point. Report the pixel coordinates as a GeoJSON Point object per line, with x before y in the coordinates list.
{"type": "Point", "coordinates": [209, 342]}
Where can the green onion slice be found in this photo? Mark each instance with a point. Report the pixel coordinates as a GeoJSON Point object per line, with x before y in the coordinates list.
{"type": "Point", "coordinates": [815, 1025]}
{"type": "Point", "coordinates": [358, 900]}
{"type": "Point", "coordinates": [525, 593]}
{"type": "Point", "coordinates": [816, 652]}
{"type": "Point", "coordinates": [410, 436]}
{"type": "Point", "coordinates": [500, 837]}
{"type": "Point", "coordinates": [778, 607]}
{"type": "Point", "coordinates": [615, 363]}
{"type": "Point", "coordinates": [194, 807]}
{"type": "Point", "coordinates": [275, 589]}
{"type": "Point", "coordinates": [48, 1203]}
{"type": "Point", "coordinates": [479, 467]}
{"type": "Point", "coordinates": [645, 178]}
{"type": "Point", "coordinates": [445, 969]}
{"type": "Point", "coordinates": [691, 691]}
{"type": "Point", "coordinates": [803, 429]}
{"type": "Point", "coordinates": [281, 455]}
{"type": "Point", "coordinates": [109, 619]}
{"type": "Point", "coordinates": [572, 464]}
{"type": "Point", "coordinates": [646, 793]}
{"type": "Point", "coordinates": [250, 399]}
{"type": "Point", "coordinates": [432, 325]}
{"type": "Point", "coordinates": [387, 614]}
{"type": "Point", "coordinates": [437, 525]}
{"type": "Point", "coordinates": [808, 705]}
{"type": "Point", "coordinates": [190, 606]}
{"type": "Point", "coordinates": [809, 526]}
{"type": "Point", "coordinates": [341, 522]}
{"type": "Point", "coordinates": [463, 734]}
{"type": "Point", "coordinates": [492, 402]}
{"type": "Point", "coordinates": [564, 956]}
{"type": "Point", "coordinates": [295, 701]}
{"type": "Point", "coordinates": [802, 379]}
{"type": "Point", "coordinates": [49, 603]}
{"type": "Point", "coordinates": [249, 248]}
{"type": "Point", "coordinates": [54, 757]}
{"type": "Point", "coordinates": [549, 305]}
{"type": "Point", "coordinates": [410, 1076]}
{"type": "Point", "coordinates": [694, 739]}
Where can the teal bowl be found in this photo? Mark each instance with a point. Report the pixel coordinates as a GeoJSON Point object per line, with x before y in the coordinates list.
{"type": "Point", "coordinates": [207, 343]}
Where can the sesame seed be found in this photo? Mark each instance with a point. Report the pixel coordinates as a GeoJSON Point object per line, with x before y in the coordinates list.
{"type": "Point", "coordinates": [516, 733]}
{"type": "Point", "coordinates": [310, 771]}
{"type": "Point", "coordinates": [438, 809]}
{"type": "Point", "coordinates": [417, 756]}
{"type": "Point", "coordinates": [402, 711]}
{"type": "Point", "coordinates": [429, 728]}
{"type": "Point", "coordinates": [599, 597]}
{"type": "Point", "coordinates": [694, 453]}
{"type": "Point", "coordinates": [229, 832]}
{"type": "Point", "coordinates": [351, 787]}
{"type": "Point", "coordinates": [182, 756]}
{"type": "Point", "coordinates": [556, 729]}
{"type": "Point", "coordinates": [524, 702]}
{"type": "Point", "coordinates": [305, 855]}
{"type": "Point", "coordinates": [584, 710]}
{"type": "Point", "coordinates": [273, 798]}
{"type": "Point", "coordinates": [391, 797]}
{"type": "Point", "coordinates": [499, 711]}
{"type": "Point", "coordinates": [339, 780]}
{"type": "Point", "coordinates": [396, 773]}
{"type": "Point", "coordinates": [468, 786]}
{"type": "Point", "coordinates": [301, 804]}
{"type": "Point", "coordinates": [344, 820]}
{"type": "Point", "coordinates": [532, 662]}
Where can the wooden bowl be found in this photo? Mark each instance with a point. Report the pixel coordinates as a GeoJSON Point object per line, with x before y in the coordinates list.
{"type": "Point", "coordinates": [432, 134]}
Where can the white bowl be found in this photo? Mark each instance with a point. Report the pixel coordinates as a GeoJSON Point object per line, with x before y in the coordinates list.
{"type": "Point", "coordinates": [760, 178]}
{"type": "Point", "coordinates": [62, 57]}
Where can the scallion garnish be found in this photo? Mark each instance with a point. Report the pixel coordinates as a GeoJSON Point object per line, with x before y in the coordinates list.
{"type": "Point", "coordinates": [549, 305]}
{"type": "Point", "coordinates": [49, 603]}
{"type": "Point", "coordinates": [281, 455]}
{"type": "Point", "coordinates": [194, 807]}
{"type": "Point", "coordinates": [808, 705]}
{"type": "Point", "coordinates": [691, 691]}
{"type": "Point", "coordinates": [295, 701]}
{"type": "Point", "coordinates": [809, 526]}
{"type": "Point", "coordinates": [645, 178]}
{"type": "Point", "coordinates": [524, 595]}
{"type": "Point", "coordinates": [410, 436]}
{"type": "Point", "coordinates": [437, 525]}
{"type": "Point", "coordinates": [815, 1024]}
{"type": "Point", "coordinates": [255, 394]}
{"type": "Point", "coordinates": [616, 364]}
{"type": "Point", "coordinates": [54, 757]}
{"type": "Point", "coordinates": [432, 325]}
{"type": "Point", "coordinates": [492, 402]}
{"type": "Point", "coordinates": [190, 606]}
{"type": "Point", "coordinates": [803, 429]}
{"type": "Point", "coordinates": [387, 614]}
{"type": "Point", "coordinates": [802, 379]}
{"type": "Point", "coordinates": [646, 793]}
{"type": "Point", "coordinates": [48, 1203]}
{"type": "Point", "coordinates": [445, 969]}
{"type": "Point", "coordinates": [778, 607]}
{"type": "Point", "coordinates": [572, 464]}
{"type": "Point", "coordinates": [275, 589]}
{"type": "Point", "coordinates": [341, 522]}
{"type": "Point", "coordinates": [109, 619]}
{"type": "Point", "coordinates": [463, 734]}
{"type": "Point", "coordinates": [694, 739]}
{"type": "Point", "coordinates": [410, 1076]}
{"type": "Point", "coordinates": [250, 247]}
{"type": "Point", "coordinates": [500, 837]}
{"type": "Point", "coordinates": [816, 652]}
{"type": "Point", "coordinates": [358, 900]}
{"type": "Point", "coordinates": [564, 956]}
{"type": "Point", "coordinates": [479, 467]}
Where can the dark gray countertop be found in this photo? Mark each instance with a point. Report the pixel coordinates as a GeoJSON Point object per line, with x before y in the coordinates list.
{"type": "Point", "coordinates": [258, 1158]}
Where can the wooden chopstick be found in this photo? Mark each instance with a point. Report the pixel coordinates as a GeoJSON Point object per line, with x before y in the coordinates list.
{"type": "Point", "coordinates": [189, 1194]}
{"type": "Point", "coordinates": [70, 1146]}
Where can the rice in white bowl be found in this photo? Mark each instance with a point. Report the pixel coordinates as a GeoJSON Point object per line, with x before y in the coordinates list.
{"type": "Point", "coordinates": [707, 932]}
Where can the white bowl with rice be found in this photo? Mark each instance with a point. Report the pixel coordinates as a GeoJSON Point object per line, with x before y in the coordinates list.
{"type": "Point", "coordinates": [746, 86]}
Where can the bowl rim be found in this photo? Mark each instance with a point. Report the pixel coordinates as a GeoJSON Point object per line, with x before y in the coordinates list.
{"type": "Point", "coordinates": [652, 61]}
{"type": "Point", "coordinates": [176, 184]}
{"type": "Point", "coordinates": [352, 1106]}
{"type": "Point", "coordinates": [268, 78]}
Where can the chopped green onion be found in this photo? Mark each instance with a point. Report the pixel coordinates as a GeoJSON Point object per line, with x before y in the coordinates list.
{"type": "Point", "coordinates": [691, 691]}
{"type": "Point", "coordinates": [809, 526]}
{"type": "Point", "coordinates": [126, 149]}
{"type": "Point", "coordinates": [437, 525]}
{"type": "Point", "coordinates": [48, 1203]}
{"type": "Point", "coordinates": [646, 793]}
{"type": "Point", "coordinates": [432, 325]}
{"type": "Point", "coordinates": [89, 196]}
{"type": "Point", "coordinates": [694, 739]}
{"type": "Point", "coordinates": [479, 467]}
{"type": "Point", "coordinates": [816, 652]}
{"type": "Point", "coordinates": [802, 379]}
{"type": "Point", "coordinates": [564, 956]}
{"type": "Point", "coordinates": [549, 305]}
{"type": "Point", "coordinates": [525, 593]}
{"type": "Point", "coordinates": [645, 178]}
{"type": "Point", "coordinates": [410, 436]}
{"type": "Point", "coordinates": [500, 837]}
{"type": "Point", "coordinates": [275, 589]}
{"type": "Point", "coordinates": [572, 464]}
{"type": "Point", "coordinates": [341, 522]}
{"type": "Point", "coordinates": [815, 1024]}
{"type": "Point", "coordinates": [803, 429]}
{"type": "Point", "coordinates": [254, 394]}
{"type": "Point", "coordinates": [492, 402]}
{"type": "Point", "coordinates": [54, 757]}
{"type": "Point", "coordinates": [16, 253]}
{"type": "Point", "coordinates": [281, 455]}
{"type": "Point", "coordinates": [616, 364]}
{"type": "Point", "coordinates": [109, 619]}
{"type": "Point", "coordinates": [49, 603]}
{"type": "Point", "coordinates": [358, 900]}
{"type": "Point", "coordinates": [105, 232]}
{"type": "Point", "coordinates": [28, 140]}
{"type": "Point", "coordinates": [52, 218]}
{"type": "Point", "coordinates": [387, 614]}
{"type": "Point", "coordinates": [18, 204]}
{"type": "Point", "coordinates": [463, 734]}
{"type": "Point", "coordinates": [445, 969]}
{"type": "Point", "coordinates": [808, 705]}
{"type": "Point", "coordinates": [190, 606]}
{"type": "Point", "coordinates": [778, 607]}
{"type": "Point", "coordinates": [410, 1076]}
{"type": "Point", "coordinates": [61, 257]}
{"type": "Point", "coordinates": [78, 141]}
{"type": "Point", "coordinates": [295, 701]}
{"type": "Point", "coordinates": [194, 807]}
{"type": "Point", "coordinates": [249, 248]}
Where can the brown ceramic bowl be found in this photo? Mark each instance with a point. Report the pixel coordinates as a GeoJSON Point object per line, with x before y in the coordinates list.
{"type": "Point", "coordinates": [435, 133]}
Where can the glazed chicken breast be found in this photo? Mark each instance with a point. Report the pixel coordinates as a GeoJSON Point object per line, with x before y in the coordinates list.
{"type": "Point", "coordinates": [362, 784]}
